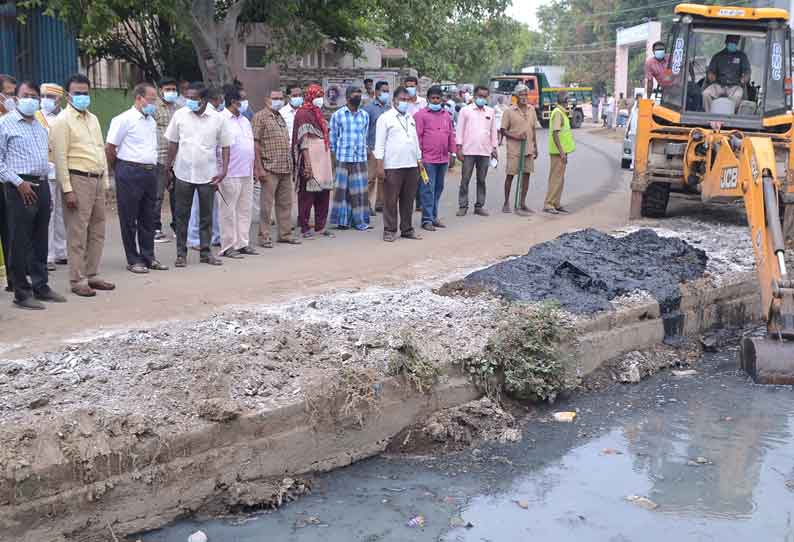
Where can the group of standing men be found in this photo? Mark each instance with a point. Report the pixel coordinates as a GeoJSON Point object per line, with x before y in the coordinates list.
{"type": "Point", "coordinates": [383, 151]}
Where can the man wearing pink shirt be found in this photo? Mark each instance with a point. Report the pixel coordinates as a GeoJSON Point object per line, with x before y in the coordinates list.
{"type": "Point", "coordinates": [238, 186]}
{"type": "Point", "coordinates": [477, 138]}
{"type": "Point", "coordinates": [437, 141]}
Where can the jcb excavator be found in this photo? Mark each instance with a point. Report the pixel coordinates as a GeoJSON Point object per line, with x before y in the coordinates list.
{"type": "Point", "coordinates": [729, 143]}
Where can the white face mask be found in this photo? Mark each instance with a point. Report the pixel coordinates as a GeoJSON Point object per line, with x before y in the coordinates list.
{"type": "Point", "coordinates": [318, 102]}
{"type": "Point", "coordinates": [9, 103]}
{"type": "Point", "coordinates": [243, 106]}
{"type": "Point", "coordinates": [48, 105]}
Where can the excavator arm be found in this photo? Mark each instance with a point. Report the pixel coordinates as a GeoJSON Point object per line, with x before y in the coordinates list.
{"type": "Point", "coordinates": [744, 167]}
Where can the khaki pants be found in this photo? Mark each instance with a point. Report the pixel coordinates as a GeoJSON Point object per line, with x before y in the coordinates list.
{"type": "Point", "coordinates": [556, 182]}
{"type": "Point", "coordinates": [235, 214]}
{"type": "Point", "coordinates": [374, 184]}
{"type": "Point", "coordinates": [85, 229]}
{"type": "Point", "coordinates": [715, 90]}
{"type": "Point", "coordinates": [277, 189]}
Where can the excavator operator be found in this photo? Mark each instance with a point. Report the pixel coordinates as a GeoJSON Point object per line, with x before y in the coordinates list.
{"type": "Point", "coordinates": [729, 71]}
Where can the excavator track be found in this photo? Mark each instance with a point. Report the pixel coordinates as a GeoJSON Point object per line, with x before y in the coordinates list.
{"type": "Point", "coordinates": [655, 200]}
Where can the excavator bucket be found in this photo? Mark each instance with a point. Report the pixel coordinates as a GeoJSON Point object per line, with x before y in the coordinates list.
{"type": "Point", "coordinates": [768, 360]}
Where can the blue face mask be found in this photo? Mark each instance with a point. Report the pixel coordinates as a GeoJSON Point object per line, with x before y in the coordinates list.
{"type": "Point", "coordinates": [434, 107]}
{"type": "Point", "coordinates": [81, 102]}
{"type": "Point", "coordinates": [276, 104]}
{"type": "Point", "coordinates": [732, 47]}
{"type": "Point", "coordinates": [170, 96]}
{"type": "Point", "coordinates": [480, 102]}
{"type": "Point", "coordinates": [296, 101]}
{"type": "Point", "coordinates": [193, 105]}
{"type": "Point", "coordinates": [220, 107]}
{"type": "Point", "coordinates": [243, 106]}
{"type": "Point", "coordinates": [384, 97]}
{"type": "Point", "coordinates": [659, 55]}
{"type": "Point", "coordinates": [48, 105]}
{"type": "Point", "coordinates": [149, 109]}
{"type": "Point", "coordinates": [411, 91]}
{"type": "Point", "coordinates": [402, 106]}
{"type": "Point", "coordinates": [28, 106]}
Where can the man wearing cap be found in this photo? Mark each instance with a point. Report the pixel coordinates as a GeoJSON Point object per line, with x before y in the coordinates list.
{"type": "Point", "coordinates": [51, 95]}
{"type": "Point", "coordinates": [518, 127]}
{"type": "Point", "coordinates": [348, 142]}
{"type": "Point", "coordinates": [24, 153]}
{"type": "Point", "coordinates": [729, 71]}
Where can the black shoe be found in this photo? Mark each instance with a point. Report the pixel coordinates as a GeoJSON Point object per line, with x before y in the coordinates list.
{"type": "Point", "coordinates": [30, 304]}
{"type": "Point", "coordinates": [248, 251]}
{"type": "Point", "coordinates": [61, 261]}
{"type": "Point", "coordinates": [49, 295]}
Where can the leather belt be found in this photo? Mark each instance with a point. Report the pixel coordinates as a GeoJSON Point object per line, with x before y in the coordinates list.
{"type": "Point", "coordinates": [85, 174]}
{"type": "Point", "coordinates": [34, 179]}
{"type": "Point", "coordinates": [147, 167]}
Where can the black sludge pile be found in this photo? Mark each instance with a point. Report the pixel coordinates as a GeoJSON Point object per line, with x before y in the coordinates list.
{"type": "Point", "coordinates": [586, 269]}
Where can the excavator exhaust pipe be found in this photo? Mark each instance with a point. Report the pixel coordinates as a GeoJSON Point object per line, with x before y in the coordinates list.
{"type": "Point", "coordinates": [768, 360]}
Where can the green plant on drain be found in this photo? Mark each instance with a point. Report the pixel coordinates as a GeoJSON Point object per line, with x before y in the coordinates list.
{"type": "Point", "coordinates": [524, 357]}
{"type": "Point", "coordinates": [406, 361]}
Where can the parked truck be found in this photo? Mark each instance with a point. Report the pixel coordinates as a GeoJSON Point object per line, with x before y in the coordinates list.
{"type": "Point", "coordinates": [541, 96]}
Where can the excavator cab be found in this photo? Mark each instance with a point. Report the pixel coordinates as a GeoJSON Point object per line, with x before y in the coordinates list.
{"type": "Point", "coordinates": [729, 142]}
{"type": "Point", "coordinates": [755, 74]}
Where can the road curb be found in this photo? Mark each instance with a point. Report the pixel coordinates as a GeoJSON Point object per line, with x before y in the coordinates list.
{"type": "Point", "coordinates": [138, 485]}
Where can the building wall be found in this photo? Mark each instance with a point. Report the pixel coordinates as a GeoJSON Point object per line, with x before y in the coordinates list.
{"type": "Point", "coordinates": [42, 49]}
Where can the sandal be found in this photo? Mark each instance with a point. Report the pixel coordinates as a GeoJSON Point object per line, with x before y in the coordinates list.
{"type": "Point", "coordinates": [138, 269]}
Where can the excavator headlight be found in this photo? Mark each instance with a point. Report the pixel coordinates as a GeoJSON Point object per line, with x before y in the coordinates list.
{"type": "Point", "coordinates": [686, 19]}
{"type": "Point", "coordinates": [697, 136]}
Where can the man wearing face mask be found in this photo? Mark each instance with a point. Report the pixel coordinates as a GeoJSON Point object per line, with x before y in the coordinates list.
{"type": "Point", "coordinates": [477, 138]}
{"type": "Point", "coordinates": [416, 103]}
{"type": "Point", "coordinates": [294, 102]}
{"type": "Point", "coordinates": [655, 68]}
{"type": "Point", "coordinates": [348, 142]}
{"type": "Point", "coordinates": [245, 109]}
{"type": "Point", "coordinates": [273, 169]}
{"type": "Point", "coordinates": [8, 88]}
{"type": "Point", "coordinates": [437, 141]}
{"type": "Point", "coordinates": [215, 103]}
{"type": "Point", "coordinates": [24, 167]}
{"type": "Point", "coordinates": [132, 154]}
{"type": "Point", "coordinates": [167, 104]}
{"type": "Point", "coordinates": [194, 134]}
{"type": "Point", "coordinates": [375, 109]}
{"type": "Point", "coordinates": [81, 168]}
{"type": "Point", "coordinates": [399, 156]}
{"type": "Point", "coordinates": [51, 95]}
{"type": "Point", "coordinates": [729, 72]}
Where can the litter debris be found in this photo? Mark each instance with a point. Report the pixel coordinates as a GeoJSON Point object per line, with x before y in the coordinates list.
{"type": "Point", "coordinates": [790, 485]}
{"type": "Point", "coordinates": [699, 461]}
{"type": "Point", "coordinates": [523, 504]}
{"type": "Point", "coordinates": [198, 536]}
{"type": "Point", "coordinates": [611, 451]}
{"type": "Point", "coordinates": [643, 502]}
{"type": "Point", "coordinates": [418, 521]}
{"type": "Point", "coordinates": [565, 417]}
{"type": "Point", "coordinates": [307, 521]}
{"type": "Point", "coordinates": [458, 521]}
{"type": "Point", "coordinates": [685, 372]}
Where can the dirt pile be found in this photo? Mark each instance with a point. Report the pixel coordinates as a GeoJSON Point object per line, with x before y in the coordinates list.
{"type": "Point", "coordinates": [457, 428]}
{"type": "Point", "coordinates": [587, 269]}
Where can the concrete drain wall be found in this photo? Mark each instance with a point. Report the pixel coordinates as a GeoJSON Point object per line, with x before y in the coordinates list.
{"type": "Point", "coordinates": [154, 481]}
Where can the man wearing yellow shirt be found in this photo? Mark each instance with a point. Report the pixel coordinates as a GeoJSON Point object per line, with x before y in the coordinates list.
{"type": "Point", "coordinates": [81, 168]}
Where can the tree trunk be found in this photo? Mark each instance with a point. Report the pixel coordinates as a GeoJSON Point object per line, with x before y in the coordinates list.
{"type": "Point", "coordinates": [213, 39]}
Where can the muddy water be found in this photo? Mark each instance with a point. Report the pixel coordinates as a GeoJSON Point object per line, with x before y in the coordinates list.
{"type": "Point", "coordinates": [713, 451]}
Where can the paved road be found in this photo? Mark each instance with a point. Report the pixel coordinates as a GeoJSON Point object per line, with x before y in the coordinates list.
{"type": "Point", "coordinates": [713, 451]}
{"type": "Point", "coordinates": [596, 191]}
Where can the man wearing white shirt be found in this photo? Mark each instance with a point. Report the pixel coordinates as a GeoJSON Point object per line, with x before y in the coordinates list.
{"type": "Point", "coordinates": [193, 134]}
{"type": "Point", "coordinates": [131, 151]}
{"type": "Point", "coordinates": [294, 102]}
{"type": "Point", "coordinates": [236, 189]}
{"type": "Point", "coordinates": [398, 156]}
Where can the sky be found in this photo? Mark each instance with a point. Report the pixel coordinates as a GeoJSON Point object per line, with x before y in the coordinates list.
{"type": "Point", "coordinates": [524, 11]}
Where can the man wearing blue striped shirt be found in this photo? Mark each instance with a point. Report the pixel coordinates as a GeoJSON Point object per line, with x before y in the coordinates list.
{"type": "Point", "coordinates": [24, 166]}
{"type": "Point", "coordinates": [348, 142]}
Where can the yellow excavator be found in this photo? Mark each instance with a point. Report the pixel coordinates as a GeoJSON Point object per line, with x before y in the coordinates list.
{"type": "Point", "coordinates": [733, 141]}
